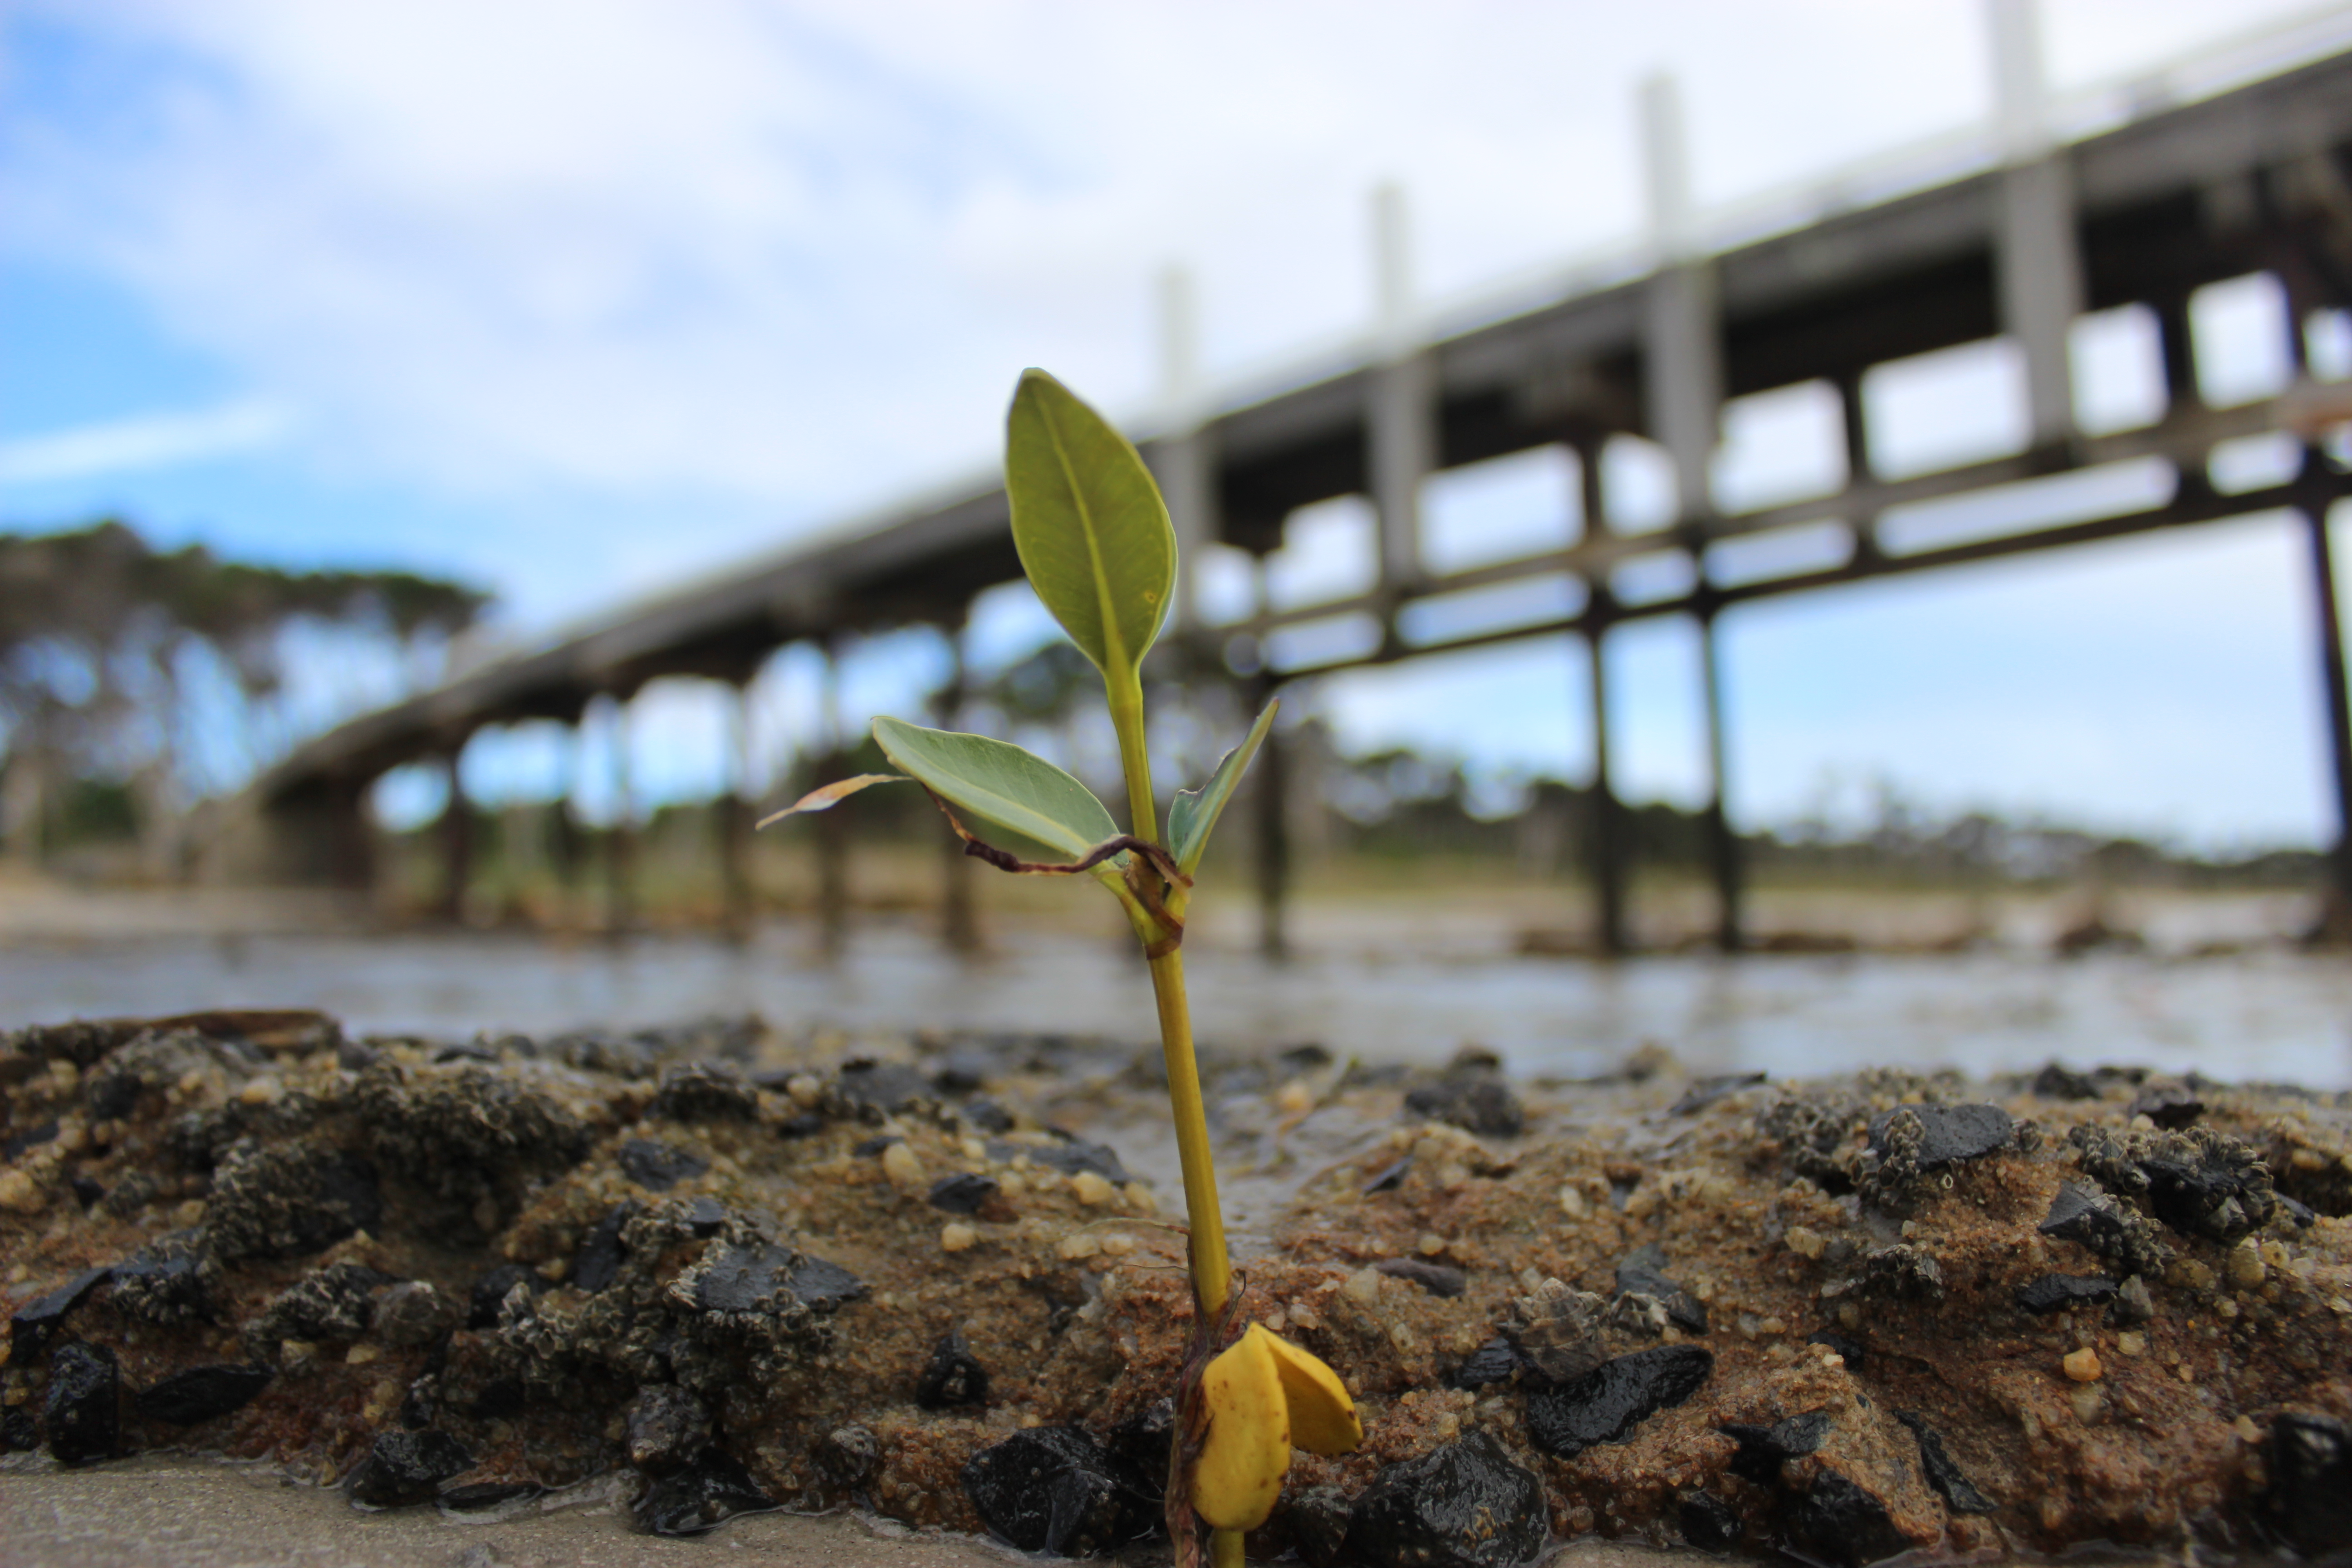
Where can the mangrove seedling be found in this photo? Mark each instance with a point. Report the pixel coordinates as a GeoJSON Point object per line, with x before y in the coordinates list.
{"type": "Point", "coordinates": [1094, 540]}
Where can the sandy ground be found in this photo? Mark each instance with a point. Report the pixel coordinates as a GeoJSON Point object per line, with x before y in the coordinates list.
{"type": "Point", "coordinates": [185, 1514]}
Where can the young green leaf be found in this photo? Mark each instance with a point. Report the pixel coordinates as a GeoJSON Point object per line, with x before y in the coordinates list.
{"type": "Point", "coordinates": [999, 780]}
{"type": "Point", "coordinates": [1087, 520]}
{"type": "Point", "coordinates": [1195, 811]}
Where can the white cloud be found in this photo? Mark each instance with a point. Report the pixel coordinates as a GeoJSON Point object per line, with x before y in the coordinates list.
{"type": "Point", "coordinates": [150, 441]}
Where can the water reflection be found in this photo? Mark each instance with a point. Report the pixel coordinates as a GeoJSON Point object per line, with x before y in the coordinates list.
{"type": "Point", "coordinates": [2269, 1015]}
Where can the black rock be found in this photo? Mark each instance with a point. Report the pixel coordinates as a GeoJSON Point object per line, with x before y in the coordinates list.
{"type": "Point", "coordinates": [2055, 1082]}
{"type": "Point", "coordinates": [1947, 1133]}
{"type": "Point", "coordinates": [2310, 1497]}
{"type": "Point", "coordinates": [705, 1091]}
{"type": "Point", "coordinates": [1476, 1101]}
{"type": "Point", "coordinates": [1643, 1273]}
{"type": "Point", "coordinates": [964, 1072]}
{"type": "Point", "coordinates": [598, 1262]}
{"type": "Point", "coordinates": [1073, 1155]}
{"type": "Point", "coordinates": [18, 1431]}
{"type": "Point", "coordinates": [37, 1322]}
{"type": "Point", "coordinates": [85, 1192]}
{"type": "Point", "coordinates": [707, 1493]}
{"type": "Point", "coordinates": [1055, 1489]}
{"type": "Point", "coordinates": [1905, 1273]}
{"type": "Point", "coordinates": [1705, 1091]}
{"type": "Point", "coordinates": [1708, 1522]}
{"type": "Point", "coordinates": [962, 1194]}
{"type": "Point", "coordinates": [1605, 1403]}
{"type": "Point", "coordinates": [825, 1287]}
{"type": "Point", "coordinates": [1850, 1351]}
{"type": "Point", "coordinates": [1494, 1361]}
{"type": "Point", "coordinates": [1141, 1445]}
{"type": "Point", "coordinates": [1437, 1279]}
{"type": "Point", "coordinates": [82, 1415]}
{"type": "Point", "coordinates": [499, 1399]}
{"type": "Point", "coordinates": [16, 1143]}
{"type": "Point", "coordinates": [2223, 1199]}
{"type": "Point", "coordinates": [1942, 1472]}
{"type": "Point", "coordinates": [884, 1087]}
{"type": "Point", "coordinates": [657, 1166]}
{"type": "Point", "coordinates": [2298, 1213]}
{"type": "Point", "coordinates": [870, 1147]}
{"type": "Point", "coordinates": [2056, 1292]}
{"type": "Point", "coordinates": [805, 1124]}
{"type": "Point", "coordinates": [1389, 1177]}
{"type": "Point", "coordinates": [766, 1279]}
{"type": "Point", "coordinates": [1838, 1522]}
{"type": "Point", "coordinates": [1314, 1519]}
{"type": "Point", "coordinates": [705, 1218]}
{"type": "Point", "coordinates": [987, 1115]}
{"type": "Point", "coordinates": [167, 1283]}
{"type": "Point", "coordinates": [2169, 1105]}
{"type": "Point", "coordinates": [2085, 1217]}
{"type": "Point", "coordinates": [953, 1377]}
{"type": "Point", "coordinates": [202, 1392]}
{"type": "Point", "coordinates": [1764, 1449]}
{"type": "Point", "coordinates": [483, 1495]}
{"type": "Point", "coordinates": [1464, 1505]}
{"type": "Point", "coordinates": [405, 1467]}
{"type": "Point", "coordinates": [667, 1427]}
{"type": "Point", "coordinates": [491, 1289]}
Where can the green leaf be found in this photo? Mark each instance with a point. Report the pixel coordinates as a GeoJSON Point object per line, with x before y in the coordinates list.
{"type": "Point", "coordinates": [1093, 533]}
{"type": "Point", "coordinates": [1194, 812]}
{"type": "Point", "coordinates": [1014, 788]}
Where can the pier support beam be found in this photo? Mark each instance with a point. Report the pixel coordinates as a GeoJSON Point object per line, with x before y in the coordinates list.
{"type": "Point", "coordinates": [833, 827]}
{"type": "Point", "coordinates": [1402, 397]}
{"type": "Point", "coordinates": [1271, 789]}
{"type": "Point", "coordinates": [740, 898]}
{"type": "Point", "coordinates": [1606, 846]}
{"type": "Point", "coordinates": [621, 839]}
{"type": "Point", "coordinates": [457, 841]}
{"type": "Point", "coordinates": [2037, 253]}
{"type": "Point", "coordinates": [958, 882]}
{"type": "Point", "coordinates": [1723, 844]}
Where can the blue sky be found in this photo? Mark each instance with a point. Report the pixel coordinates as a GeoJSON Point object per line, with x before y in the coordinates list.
{"type": "Point", "coordinates": [578, 301]}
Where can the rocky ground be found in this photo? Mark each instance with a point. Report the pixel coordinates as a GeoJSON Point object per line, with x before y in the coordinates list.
{"type": "Point", "coordinates": [725, 1268]}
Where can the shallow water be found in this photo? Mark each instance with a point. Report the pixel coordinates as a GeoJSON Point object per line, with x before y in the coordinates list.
{"type": "Point", "coordinates": [2270, 1015]}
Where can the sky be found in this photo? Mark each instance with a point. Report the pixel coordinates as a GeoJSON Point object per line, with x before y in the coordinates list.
{"type": "Point", "coordinates": [580, 300]}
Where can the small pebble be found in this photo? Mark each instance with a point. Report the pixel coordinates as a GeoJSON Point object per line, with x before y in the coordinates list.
{"type": "Point", "coordinates": [905, 1171]}
{"type": "Point", "coordinates": [2131, 1343]}
{"type": "Point", "coordinates": [2082, 1366]}
{"type": "Point", "coordinates": [19, 1193]}
{"type": "Point", "coordinates": [2246, 1264]}
{"type": "Point", "coordinates": [1092, 1189]}
{"type": "Point", "coordinates": [1362, 1286]}
{"type": "Point", "coordinates": [361, 1355]}
{"type": "Point", "coordinates": [261, 1091]}
{"type": "Point", "coordinates": [958, 1237]}
{"type": "Point", "coordinates": [1119, 1246]}
{"type": "Point", "coordinates": [1295, 1099]}
{"type": "Point", "coordinates": [1431, 1244]}
{"type": "Point", "coordinates": [1805, 1242]}
{"type": "Point", "coordinates": [2087, 1402]}
{"type": "Point", "coordinates": [1077, 1245]}
{"type": "Point", "coordinates": [807, 1092]}
{"type": "Point", "coordinates": [1140, 1198]}
{"type": "Point", "coordinates": [1571, 1202]}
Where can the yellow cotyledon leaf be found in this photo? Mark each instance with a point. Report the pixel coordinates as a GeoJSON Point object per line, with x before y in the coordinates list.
{"type": "Point", "coordinates": [1322, 1416]}
{"type": "Point", "coordinates": [1248, 1447]}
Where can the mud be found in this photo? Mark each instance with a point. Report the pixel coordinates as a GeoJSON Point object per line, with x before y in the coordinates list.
{"type": "Point", "coordinates": [727, 1269]}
